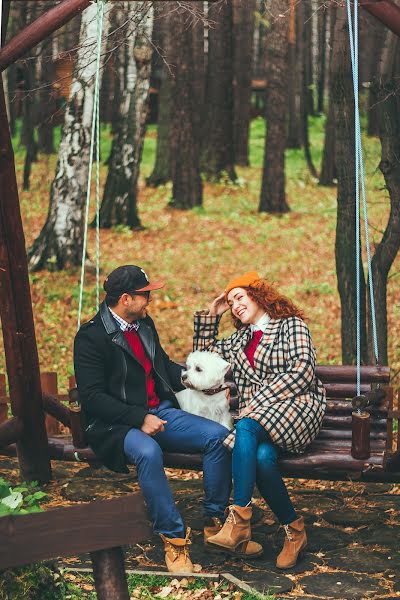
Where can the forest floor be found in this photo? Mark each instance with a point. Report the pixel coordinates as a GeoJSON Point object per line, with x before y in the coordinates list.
{"type": "Point", "coordinates": [197, 251]}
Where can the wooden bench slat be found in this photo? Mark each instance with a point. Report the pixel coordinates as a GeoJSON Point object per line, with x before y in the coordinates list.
{"type": "Point", "coordinates": [348, 374]}
{"type": "Point", "coordinates": [72, 530]}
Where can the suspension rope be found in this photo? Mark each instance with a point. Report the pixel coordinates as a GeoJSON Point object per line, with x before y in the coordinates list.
{"type": "Point", "coordinates": [95, 134]}
{"type": "Point", "coordinates": [360, 178]}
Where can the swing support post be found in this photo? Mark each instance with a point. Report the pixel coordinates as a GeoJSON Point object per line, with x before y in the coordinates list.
{"type": "Point", "coordinates": [17, 320]}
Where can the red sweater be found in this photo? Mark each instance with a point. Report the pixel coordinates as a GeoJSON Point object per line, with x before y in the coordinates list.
{"type": "Point", "coordinates": [137, 348]}
{"type": "Point", "coordinates": [252, 345]}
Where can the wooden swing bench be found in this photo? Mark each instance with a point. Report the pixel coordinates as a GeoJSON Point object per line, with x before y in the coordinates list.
{"type": "Point", "coordinates": [330, 456]}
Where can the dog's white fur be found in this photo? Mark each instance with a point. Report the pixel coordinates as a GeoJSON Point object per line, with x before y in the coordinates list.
{"type": "Point", "coordinates": [205, 371]}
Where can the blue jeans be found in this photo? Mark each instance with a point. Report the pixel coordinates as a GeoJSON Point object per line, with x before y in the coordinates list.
{"type": "Point", "coordinates": [255, 462]}
{"type": "Point", "coordinates": [183, 433]}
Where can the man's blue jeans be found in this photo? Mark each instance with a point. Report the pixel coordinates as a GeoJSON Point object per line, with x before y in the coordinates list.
{"type": "Point", "coordinates": [255, 462]}
{"type": "Point", "coordinates": [183, 433]}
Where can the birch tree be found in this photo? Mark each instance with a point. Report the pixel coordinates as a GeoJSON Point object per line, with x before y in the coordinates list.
{"type": "Point", "coordinates": [59, 244]}
{"type": "Point", "coordinates": [119, 204]}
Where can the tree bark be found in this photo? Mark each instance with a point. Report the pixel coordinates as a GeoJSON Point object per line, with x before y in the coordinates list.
{"type": "Point", "coordinates": [306, 102]}
{"type": "Point", "coordinates": [218, 146]}
{"type": "Point", "coordinates": [386, 89]}
{"type": "Point", "coordinates": [341, 89]}
{"type": "Point", "coordinates": [119, 206]}
{"type": "Point", "coordinates": [187, 190]}
{"type": "Point", "coordinates": [60, 242]}
{"type": "Point", "coordinates": [322, 29]}
{"type": "Point", "coordinates": [46, 106]}
{"type": "Point", "coordinates": [243, 27]}
{"type": "Point", "coordinates": [273, 196]}
{"type": "Point", "coordinates": [161, 173]}
{"type": "Point", "coordinates": [328, 167]}
{"type": "Point", "coordinates": [293, 135]}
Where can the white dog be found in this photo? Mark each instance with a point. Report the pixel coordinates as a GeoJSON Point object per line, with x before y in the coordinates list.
{"type": "Point", "coordinates": [206, 394]}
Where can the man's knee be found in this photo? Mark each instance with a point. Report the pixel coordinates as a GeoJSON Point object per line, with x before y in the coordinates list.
{"type": "Point", "coordinates": [141, 453]}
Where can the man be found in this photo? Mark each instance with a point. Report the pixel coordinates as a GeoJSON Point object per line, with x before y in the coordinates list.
{"type": "Point", "coordinates": [126, 385]}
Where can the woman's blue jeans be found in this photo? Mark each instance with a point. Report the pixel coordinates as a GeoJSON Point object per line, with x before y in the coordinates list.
{"type": "Point", "coordinates": [254, 461]}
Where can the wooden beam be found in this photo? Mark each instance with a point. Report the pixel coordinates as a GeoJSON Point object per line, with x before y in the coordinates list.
{"type": "Point", "coordinates": [386, 11]}
{"type": "Point", "coordinates": [109, 574]}
{"type": "Point", "coordinates": [17, 319]}
{"type": "Point", "coordinates": [72, 530]}
{"type": "Point", "coordinates": [10, 431]}
{"type": "Point", "coordinates": [40, 29]}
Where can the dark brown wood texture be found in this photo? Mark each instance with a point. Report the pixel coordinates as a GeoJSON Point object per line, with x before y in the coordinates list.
{"type": "Point", "coordinates": [40, 29]}
{"type": "Point", "coordinates": [109, 574]}
{"type": "Point", "coordinates": [17, 319]}
{"type": "Point", "coordinates": [72, 530]}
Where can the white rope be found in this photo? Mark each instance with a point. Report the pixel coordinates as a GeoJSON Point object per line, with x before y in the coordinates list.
{"type": "Point", "coordinates": [95, 128]}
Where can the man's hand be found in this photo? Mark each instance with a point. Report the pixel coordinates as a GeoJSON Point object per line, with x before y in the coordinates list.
{"type": "Point", "coordinates": [245, 411]}
{"type": "Point", "coordinates": [152, 425]}
{"type": "Point", "coordinates": [218, 306]}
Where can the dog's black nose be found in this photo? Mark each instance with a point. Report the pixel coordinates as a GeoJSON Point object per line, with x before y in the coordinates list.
{"type": "Point", "coordinates": [184, 376]}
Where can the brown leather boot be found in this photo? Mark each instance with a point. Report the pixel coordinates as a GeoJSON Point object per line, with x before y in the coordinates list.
{"type": "Point", "coordinates": [212, 526]}
{"type": "Point", "coordinates": [295, 542]}
{"type": "Point", "coordinates": [177, 556]}
{"type": "Point", "coordinates": [235, 534]}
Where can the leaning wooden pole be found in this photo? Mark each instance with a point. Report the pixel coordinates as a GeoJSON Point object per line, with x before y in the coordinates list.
{"type": "Point", "coordinates": [16, 314]}
{"type": "Point", "coordinates": [386, 11]}
{"type": "Point", "coordinates": [40, 29]}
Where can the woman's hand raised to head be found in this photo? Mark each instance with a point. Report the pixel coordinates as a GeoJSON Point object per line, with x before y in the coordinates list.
{"type": "Point", "coordinates": [218, 306]}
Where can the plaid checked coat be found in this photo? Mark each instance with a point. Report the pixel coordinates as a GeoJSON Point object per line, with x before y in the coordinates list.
{"type": "Point", "coordinates": [285, 396]}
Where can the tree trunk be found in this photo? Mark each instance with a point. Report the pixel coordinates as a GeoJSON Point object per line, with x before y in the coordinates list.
{"type": "Point", "coordinates": [293, 135]}
{"type": "Point", "coordinates": [60, 242]}
{"type": "Point", "coordinates": [28, 107]}
{"type": "Point", "coordinates": [308, 56]}
{"type": "Point", "coordinates": [46, 107]}
{"type": "Point", "coordinates": [322, 29]}
{"type": "Point", "coordinates": [273, 196]}
{"type": "Point", "coordinates": [161, 173]}
{"type": "Point", "coordinates": [306, 103]}
{"type": "Point", "coordinates": [342, 96]}
{"type": "Point", "coordinates": [218, 147]}
{"type": "Point", "coordinates": [386, 89]}
{"type": "Point", "coordinates": [187, 190]}
{"type": "Point", "coordinates": [119, 206]}
{"type": "Point", "coordinates": [243, 27]}
{"type": "Point", "coordinates": [328, 167]}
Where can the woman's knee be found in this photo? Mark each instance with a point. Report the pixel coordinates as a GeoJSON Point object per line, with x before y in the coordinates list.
{"type": "Point", "coordinates": [248, 425]}
{"type": "Point", "coordinates": [267, 455]}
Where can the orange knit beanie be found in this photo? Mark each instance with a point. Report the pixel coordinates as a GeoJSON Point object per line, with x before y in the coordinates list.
{"type": "Point", "coordinates": [249, 279]}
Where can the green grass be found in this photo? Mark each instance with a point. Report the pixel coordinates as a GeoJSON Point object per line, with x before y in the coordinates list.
{"type": "Point", "coordinates": [146, 587]}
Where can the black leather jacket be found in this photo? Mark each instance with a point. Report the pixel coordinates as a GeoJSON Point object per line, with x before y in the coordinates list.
{"type": "Point", "coordinates": [112, 383]}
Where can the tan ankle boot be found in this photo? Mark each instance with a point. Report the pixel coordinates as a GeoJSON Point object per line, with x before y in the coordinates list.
{"type": "Point", "coordinates": [177, 556]}
{"type": "Point", "coordinates": [212, 526]}
{"type": "Point", "coordinates": [235, 534]}
{"type": "Point", "coordinates": [295, 542]}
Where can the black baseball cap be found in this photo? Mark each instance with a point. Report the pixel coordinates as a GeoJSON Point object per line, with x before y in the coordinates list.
{"type": "Point", "coordinates": [129, 278]}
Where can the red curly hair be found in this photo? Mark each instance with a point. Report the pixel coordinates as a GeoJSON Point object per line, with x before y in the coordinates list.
{"type": "Point", "coordinates": [275, 304]}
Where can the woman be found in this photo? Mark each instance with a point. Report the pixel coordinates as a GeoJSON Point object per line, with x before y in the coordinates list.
{"type": "Point", "coordinates": [281, 407]}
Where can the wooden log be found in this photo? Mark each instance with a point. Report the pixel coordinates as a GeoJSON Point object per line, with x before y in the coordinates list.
{"type": "Point", "coordinates": [50, 386]}
{"type": "Point", "coordinates": [17, 319]}
{"type": "Point", "coordinates": [41, 28]}
{"type": "Point", "coordinates": [348, 374]}
{"type": "Point", "coordinates": [360, 441]}
{"type": "Point", "coordinates": [386, 11]}
{"type": "Point", "coordinates": [344, 390]}
{"type": "Point", "coordinates": [78, 434]}
{"type": "Point", "coordinates": [109, 574]}
{"type": "Point", "coordinates": [10, 431]}
{"type": "Point", "coordinates": [56, 409]}
{"type": "Point", "coordinates": [334, 406]}
{"type": "Point", "coordinates": [72, 530]}
{"type": "Point", "coordinates": [344, 422]}
{"type": "Point", "coordinates": [345, 434]}
{"type": "Point", "coordinates": [3, 402]}
{"type": "Point", "coordinates": [323, 445]}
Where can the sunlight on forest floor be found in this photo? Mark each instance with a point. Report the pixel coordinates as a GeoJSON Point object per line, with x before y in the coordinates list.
{"type": "Point", "coordinates": [197, 251]}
